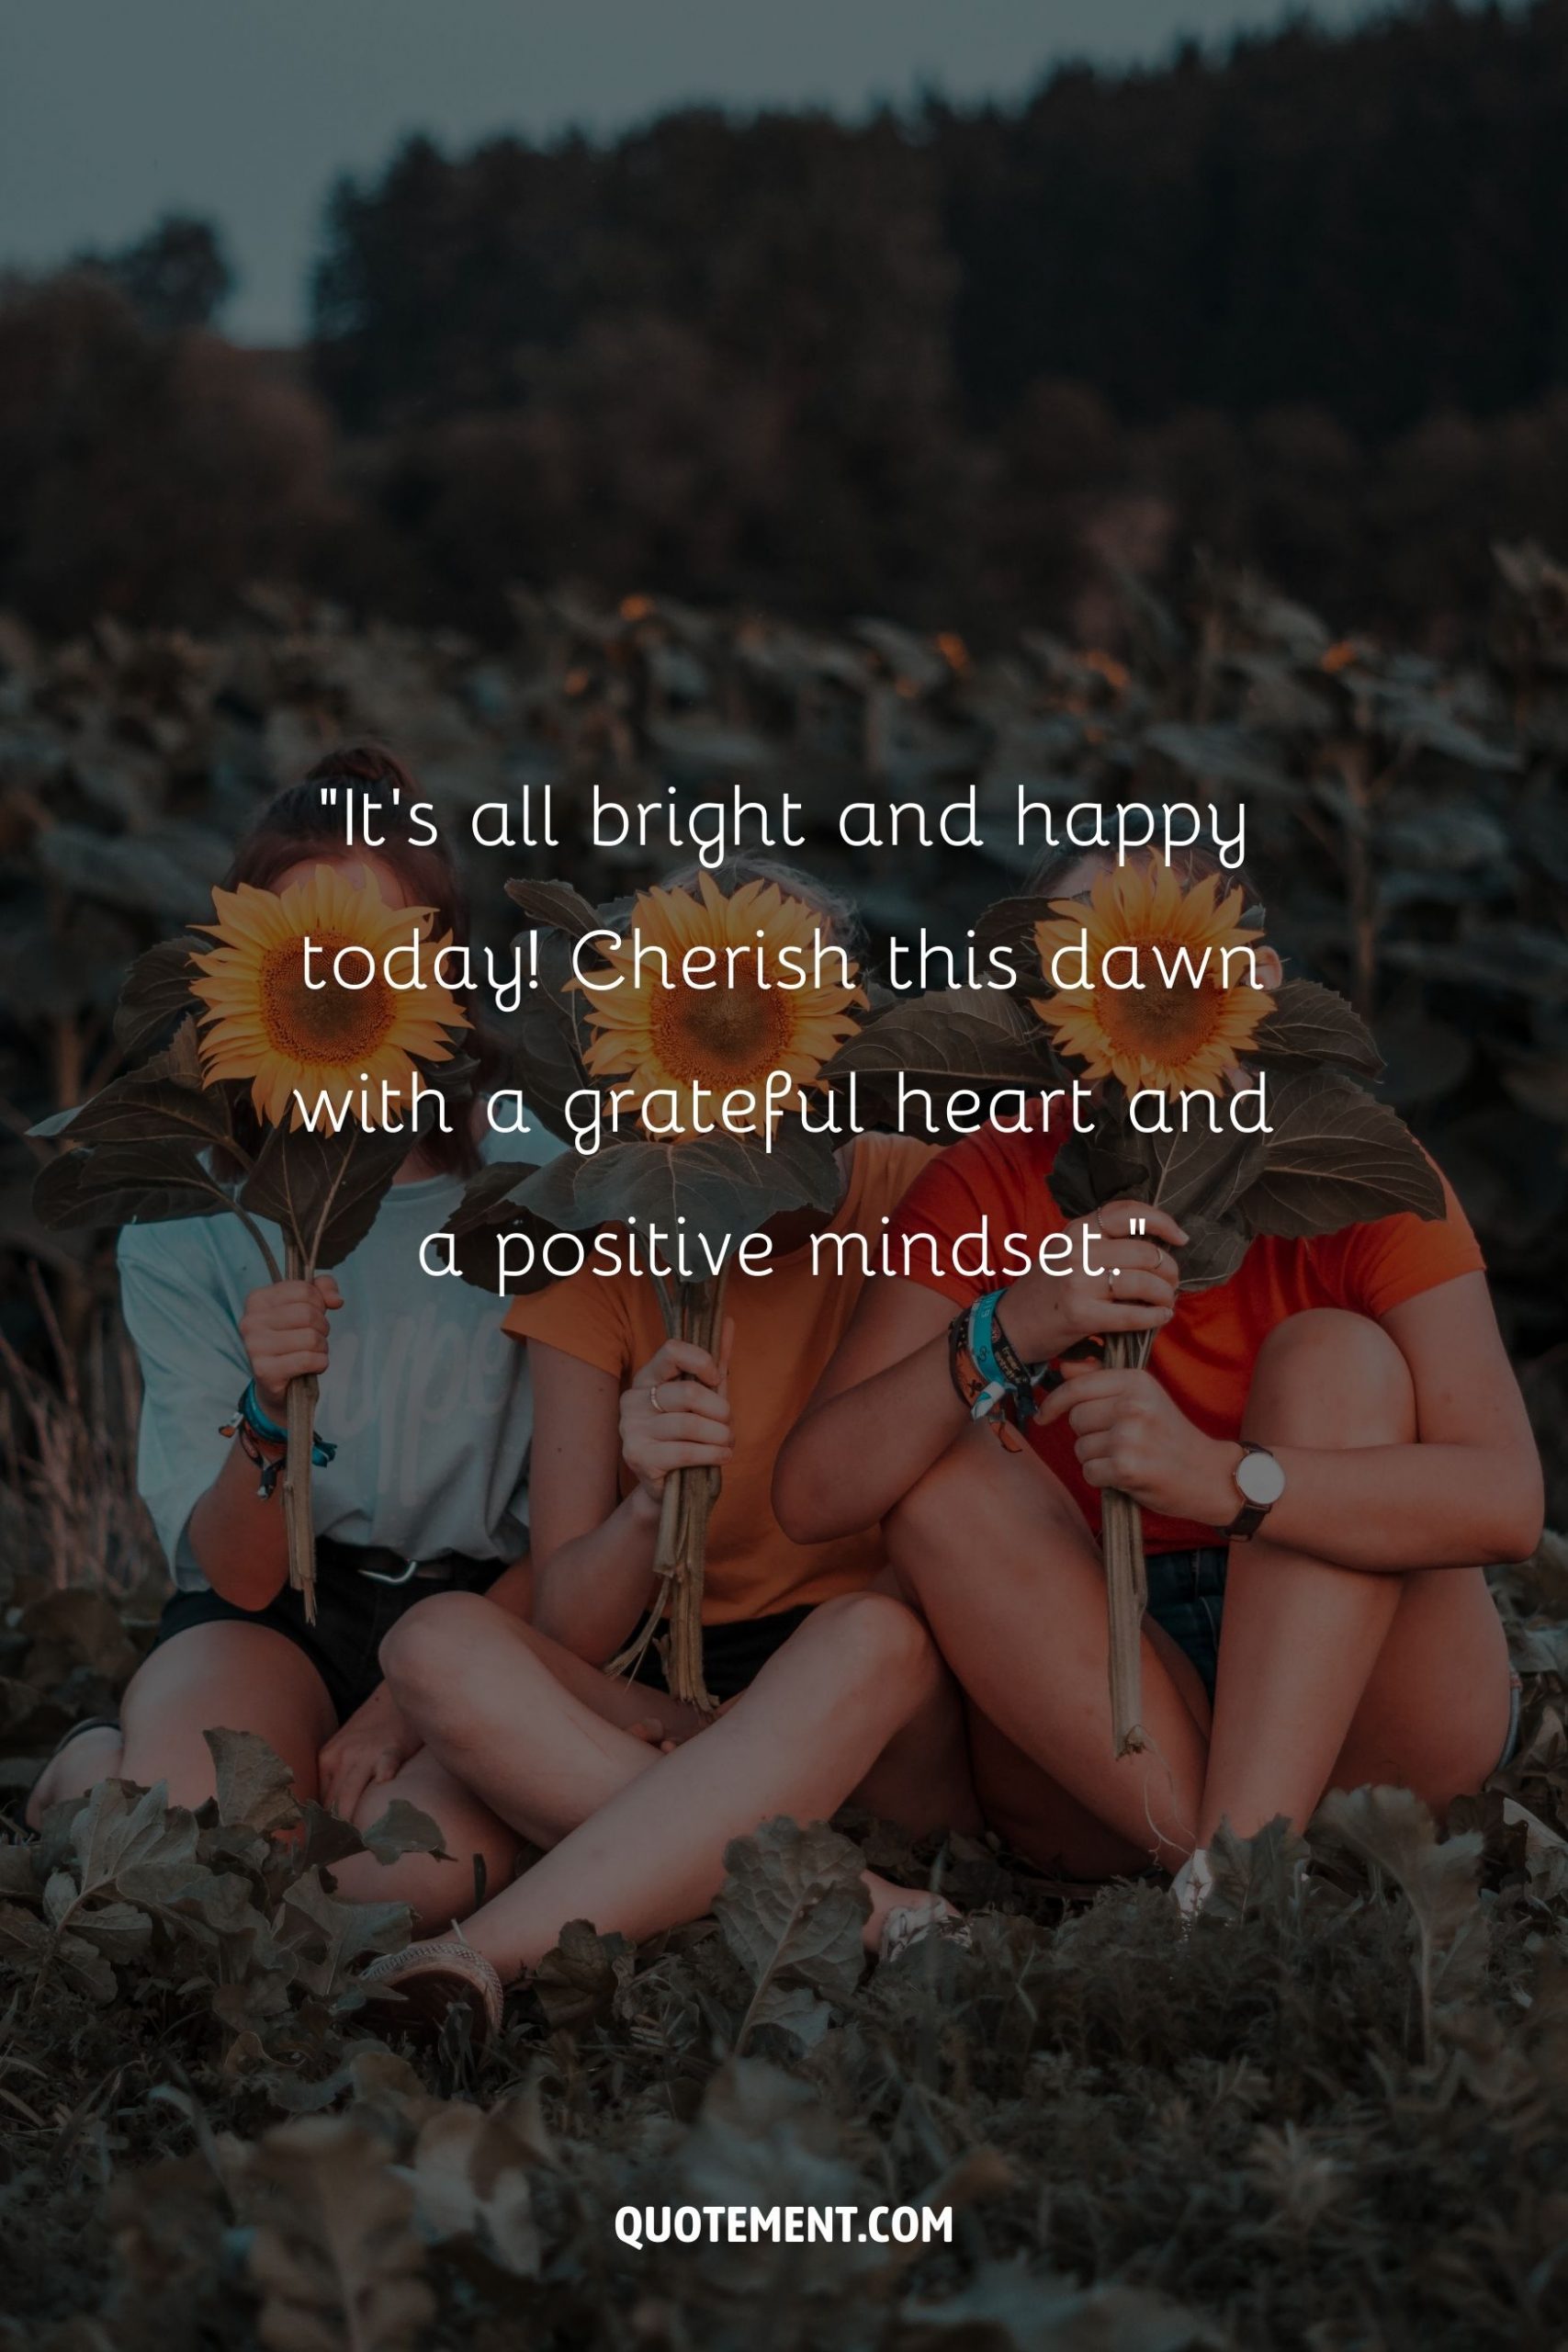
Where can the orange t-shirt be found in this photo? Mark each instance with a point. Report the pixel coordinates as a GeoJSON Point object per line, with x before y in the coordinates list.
{"type": "Point", "coordinates": [1204, 1357]}
{"type": "Point", "coordinates": [787, 1323]}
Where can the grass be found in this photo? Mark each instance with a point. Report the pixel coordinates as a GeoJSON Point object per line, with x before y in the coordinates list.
{"type": "Point", "coordinates": [1334, 2114]}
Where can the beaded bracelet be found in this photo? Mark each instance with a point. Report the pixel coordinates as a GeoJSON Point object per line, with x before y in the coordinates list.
{"type": "Point", "coordinates": [991, 1377]}
{"type": "Point", "coordinates": [255, 1430]}
{"type": "Point", "coordinates": [983, 1399]}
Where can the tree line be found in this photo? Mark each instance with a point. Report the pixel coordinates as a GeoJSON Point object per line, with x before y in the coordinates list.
{"type": "Point", "coordinates": [1301, 301]}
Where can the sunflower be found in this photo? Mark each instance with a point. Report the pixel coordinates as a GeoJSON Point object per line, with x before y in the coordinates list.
{"type": "Point", "coordinates": [759, 1012]}
{"type": "Point", "coordinates": [264, 1024]}
{"type": "Point", "coordinates": [1179, 1035]}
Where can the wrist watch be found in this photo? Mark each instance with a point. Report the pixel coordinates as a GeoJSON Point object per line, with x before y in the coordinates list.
{"type": "Point", "coordinates": [1260, 1481]}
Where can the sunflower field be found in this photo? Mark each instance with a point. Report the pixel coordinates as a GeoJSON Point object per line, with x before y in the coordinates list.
{"type": "Point", "coordinates": [1330, 2114]}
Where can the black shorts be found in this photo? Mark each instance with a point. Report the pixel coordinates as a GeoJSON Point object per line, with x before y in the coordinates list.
{"type": "Point", "coordinates": [354, 1615]}
{"type": "Point", "coordinates": [733, 1656]}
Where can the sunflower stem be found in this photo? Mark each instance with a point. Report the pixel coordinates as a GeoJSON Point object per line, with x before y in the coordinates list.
{"type": "Point", "coordinates": [1127, 1578]}
{"type": "Point", "coordinates": [299, 1421]}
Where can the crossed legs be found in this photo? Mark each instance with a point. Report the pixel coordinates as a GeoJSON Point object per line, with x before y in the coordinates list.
{"type": "Point", "coordinates": [855, 1702]}
{"type": "Point", "coordinates": [1327, 1676]}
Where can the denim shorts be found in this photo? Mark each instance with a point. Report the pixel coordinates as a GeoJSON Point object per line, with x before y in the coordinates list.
{"type": "Point", "coordinates": [1187, 1596]}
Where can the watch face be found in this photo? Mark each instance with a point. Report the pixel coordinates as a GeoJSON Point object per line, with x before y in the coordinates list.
{"type": "Point", "coordinates": [1260, 1478]}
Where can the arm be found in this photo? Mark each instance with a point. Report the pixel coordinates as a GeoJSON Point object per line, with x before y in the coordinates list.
{"type": "Point", "coordinates": [886, 1409]}
{"type": "Point", "coordinates": [1468, 1491]}
{"type": "Point", "coordinates": [239, 1537]}
{"type": "Point", "coordinates": [593, 1548]}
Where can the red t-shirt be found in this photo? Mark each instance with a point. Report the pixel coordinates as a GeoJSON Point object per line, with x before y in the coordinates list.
{"type": "Point", "coordinates": [1204, 1357]}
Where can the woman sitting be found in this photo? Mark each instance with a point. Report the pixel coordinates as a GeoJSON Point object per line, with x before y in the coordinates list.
{"type": "Point", "coordinates": [1325, 1447]}
{"type": "Point", "coordinates": [831, 1691]}
{"type": "Point", "coordinates": [430, 1411]}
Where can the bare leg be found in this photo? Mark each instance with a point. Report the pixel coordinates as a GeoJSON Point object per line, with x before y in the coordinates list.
{"type": "Point", "coordinates": [539, 1735]}
{"type": "Point", "coordinates": [1330, 1676]}
{"type": "Point", "coordinates": [82, 1763]}
{"type": "Point", "coordinates": [1003, 1567]}
{"type": "Point", "coordinates": [483, 1851]}
{"type": "Point", "coordinates": [1034, 1814]}
{"type": "Point", "coordinates": [242, 1678]}
{"type": "Point", "coordinates": [649, 1852]}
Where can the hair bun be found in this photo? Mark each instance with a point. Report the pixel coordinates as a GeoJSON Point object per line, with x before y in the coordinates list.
{"type": "Point", "coordinates": [364, 762]}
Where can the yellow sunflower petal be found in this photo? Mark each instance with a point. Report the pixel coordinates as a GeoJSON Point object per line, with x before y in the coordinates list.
{"type": "Point", "coordinates": [1173, 1031]}
{"type": "Point", "coordinates": [262, 1021]}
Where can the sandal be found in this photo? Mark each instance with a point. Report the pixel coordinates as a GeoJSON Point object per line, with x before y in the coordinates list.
{"type": "Point", "coordinates": [424, 1982]}
{"type": "Point", "coordinates": [918, 1923]}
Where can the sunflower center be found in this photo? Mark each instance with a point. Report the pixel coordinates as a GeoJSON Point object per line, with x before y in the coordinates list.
{"type": "Point", "coordinates": [1166, 1024]}
{"type": "Point", "coordinates": [722, 1037]}
{"type": "Point", "coordinates": [321, 1024]}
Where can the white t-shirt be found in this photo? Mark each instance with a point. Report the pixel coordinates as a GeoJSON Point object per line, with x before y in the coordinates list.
{"type": "Point", "coordinates": [425, 1397]}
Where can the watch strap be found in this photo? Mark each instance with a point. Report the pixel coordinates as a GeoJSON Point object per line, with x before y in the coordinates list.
{"type": "Point", "coordinates": [1251, 1516]}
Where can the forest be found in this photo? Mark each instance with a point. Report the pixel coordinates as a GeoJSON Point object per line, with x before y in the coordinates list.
{"type": "Point", "coordinates": [948, 364]}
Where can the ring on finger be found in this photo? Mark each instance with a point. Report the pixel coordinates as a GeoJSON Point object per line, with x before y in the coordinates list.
{"type": "Point", "coordinates": [653, 1397]}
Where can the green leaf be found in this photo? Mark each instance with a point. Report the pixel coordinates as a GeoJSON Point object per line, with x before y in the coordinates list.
{"type": "Point", "coordinates": [143, 1109]}
{"type": "Point", "coordinates": [167, 871]}
{"type": "Point", "coordinates": [325, 1190]}
{"type": "Point", "coordinates": [484, 1217]}
{"type": "Point", "coordinates": [1213, 1250]}
{"type": "Point", "coordinates": [255, 1787]}
{"type": "Point", "coordinates": [577, 1981]}
{"type": "Point", "coordinates": [1108, 1163]}
{"type": "Point", "coordinates": [1205, 1171]}
{"type": "Point", "coordinates": [791, 1909]}
{"type": "Point", "coordinates": [1392, 1830]}
{"type": "Point", "coordinates": [1220, 754]}
{"type": "Point", "coordinates": [156, 993]}
{"type": "Point", "coordinates": [403, 1830]}
{"type": "Point", "coordinates": [25, 1939]}
{"type": "Point", "coordinates": [977, 1033]}
{"type": "Point", "coordinates": [135, 1183]}
{"type": "Point", "coordinates": [324, 1935]}
{"type": "Point", "coordinates": [1010, 2306]}
{"type": "Point", "coordinates": [1257, 1875]}
{"type": "Point", "coordinates": [1310, 1023]}
{"type": "Point", "coordinates": [724, 1186]}
{"type": "Point", "coordinates": [334, 2256]}
{"type": "Point", "coordinates": [1335, 1158]}
{"type": "Point", "coordinates": [556, 906]}
{"type": "Point", "coordinates": [469, 2175]}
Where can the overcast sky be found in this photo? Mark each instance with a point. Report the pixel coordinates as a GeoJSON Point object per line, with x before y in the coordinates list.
{"type": "Point", "coordinates": [112, 111]}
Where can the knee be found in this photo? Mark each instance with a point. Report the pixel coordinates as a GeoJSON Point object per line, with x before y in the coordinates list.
{"type": "Point", "coordinates": [876, 1641]}
{"type": "Point", "coordinates": [420, 1656]}
{"type": "Point", "coordinates": [1330, 1377]}
{"type": "Point", "coordinates": [975, 1499]}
